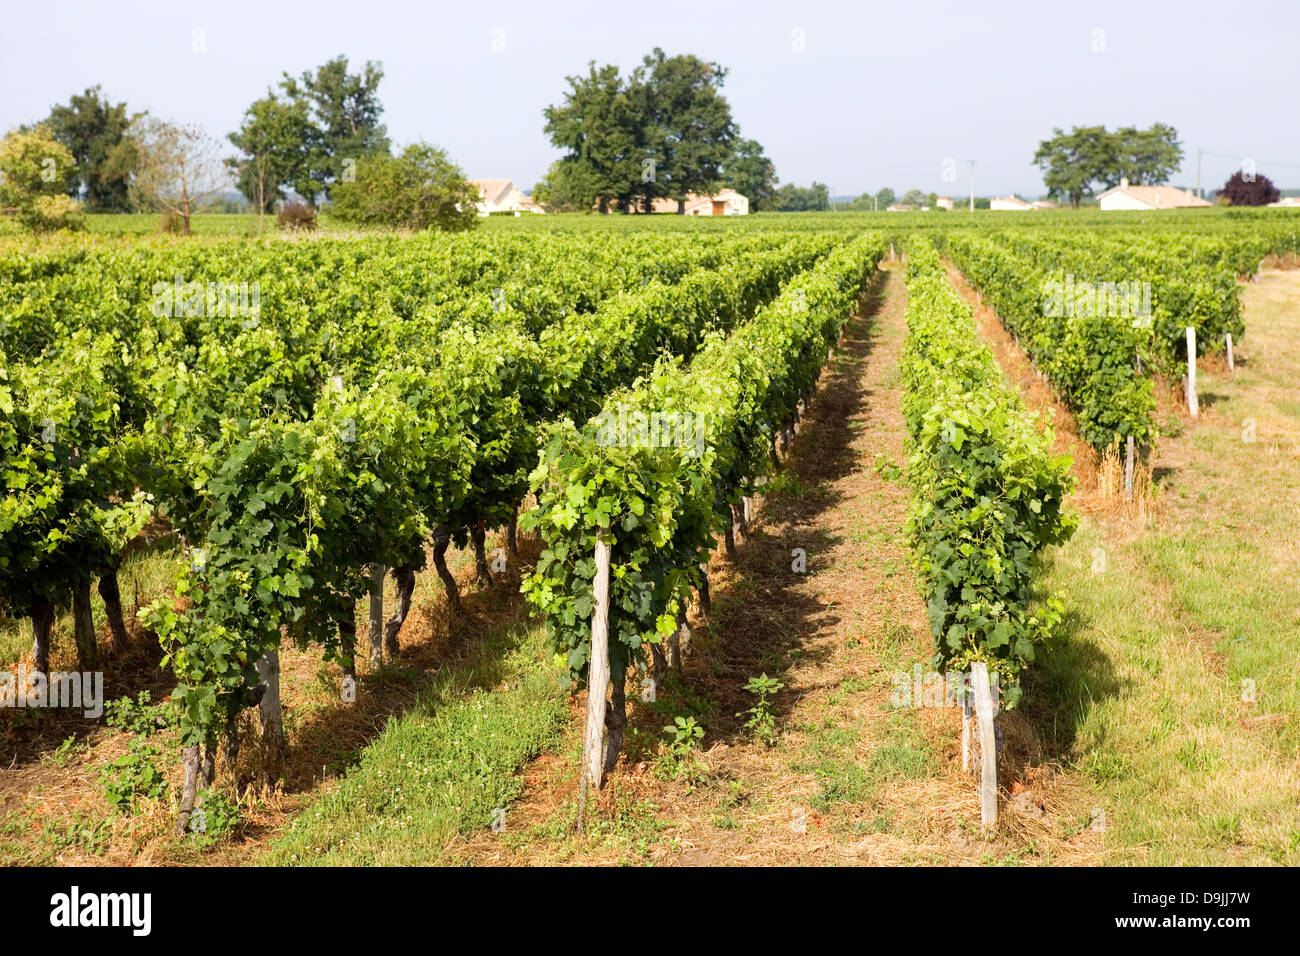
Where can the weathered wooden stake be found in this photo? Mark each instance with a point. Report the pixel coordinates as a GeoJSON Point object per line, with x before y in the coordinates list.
{"type": "Point", "coordinates": [272, 715]}
{"type": "Point", "coordinates": [1232, 364]}
{"type": "Point", "coordinates": [1128, 469]}
{"type": "Point", "coordinates": [376, 616]}
{"type": "Point", "coordinates": [965, 731]}
{"type": "Point", "coordinates": [1192, 405]}
{"type": "Point", "coordinates": [988, 744]}
{"type": "Point", "coordinates": [597, 681]}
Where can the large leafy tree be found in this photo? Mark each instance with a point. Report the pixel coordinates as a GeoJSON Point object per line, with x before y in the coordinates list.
{"type": "Point", "coordinates": [689, 122]}
{"type": "Point", "coordinates": [1073, 162]}
{"type": "Point", "coordinates": [601, 127]}
{"type": "Point", "coordinates": [420, 189]}
{"type": "Point", "coordinates": [1255, 191]}
{"type": "Point", "coordinates": [94, 130]}
{"type": "Point", "coordinates": [344, 111]}
{"type": "Point", "coordinates": [663, 131]}
{"type": "Point", "coordinates": [750, 173]}
{"type": "Point", "coordinates": [275, 145]}
{"type": "Point", "coordinates": [1146, 157]}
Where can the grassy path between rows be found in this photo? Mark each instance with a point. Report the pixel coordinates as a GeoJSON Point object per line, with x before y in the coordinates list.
{"type": "Point", "coordinates": [1171, 693]}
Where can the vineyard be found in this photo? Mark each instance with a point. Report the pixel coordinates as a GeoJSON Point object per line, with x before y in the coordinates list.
{"type": "Point", "coordinates": [608, 539]}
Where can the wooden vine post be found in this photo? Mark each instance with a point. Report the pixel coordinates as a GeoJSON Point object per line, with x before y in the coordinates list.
{"type": "Point", "coordinates": [376, 616]}
{"type": "Point", "coordinates": [1128, 469]}
{"type": "Point", "coordinates": [1192, 405]}
{"type": "Point", "coordinates": [597, 681]}
{"type": "Point", "coordinates": [1232, 364]}
{"type": "Point", "coordinates": [979, 673]}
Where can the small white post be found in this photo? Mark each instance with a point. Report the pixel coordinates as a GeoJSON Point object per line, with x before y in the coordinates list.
{"type": "Point", "coordinates": [597, 681]}
{"type": "Point", "coordinates": [1232, 363]}
{"type": "Point", "coordinates": [988, 744]}
{"type": "Point", "coordinates": [1192, 405]}
{"type": "Point", "coordinates": [1128, 469]}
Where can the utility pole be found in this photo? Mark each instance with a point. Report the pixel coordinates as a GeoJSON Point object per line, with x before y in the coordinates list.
{"type": "Point", "coordinates": [1199, 194]}
{"type": "Point", "coordinates": [972, 184]}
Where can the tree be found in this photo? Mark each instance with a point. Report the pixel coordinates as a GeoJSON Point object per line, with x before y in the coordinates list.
{"type": "Point", "coordinates": [568, 186]}
{"type": "Point", "coordinates": [1144, 156]}
{"type": "Point", "coordinates": [751, 174]}
{"type": "Point", "coordinates": [1072, 162]}
{"type": "Point", "coordinates": [1253, 191]}
{"type": "Point", "coordinates": [600, 125]}
{"type": "Point", "coordinates": [885, 198]}
{"type": "Point", "coordinates": [914, 197]}
{"type": "Point", "coordinates": [179, 167]}
{"type": "Point", "coordinates": [94, 130]}
{"type": "Point", "coordinates": [791, 198]}
{"type": "Point", "coordinates": [344, 111]}
{"type": "Point", "coordinates": [688, 123]}
{"type": "Point", "coordinates": [275, 144]}
{"type": "Point", "coordinates": [36, 174]}
{"type": "Point", "coordinates": [420, 189]}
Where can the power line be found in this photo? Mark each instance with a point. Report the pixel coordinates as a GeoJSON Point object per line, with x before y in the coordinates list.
{"type": "Point", "coordinates": [1258, 162]}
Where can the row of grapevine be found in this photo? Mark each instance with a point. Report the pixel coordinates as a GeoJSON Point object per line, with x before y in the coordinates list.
{"type": "Point", "coordinates": [1091, 361]}
{"type": "Point", "coordinates": [658, 472]}
{"type": "Point", "coordinates": [290, 485]}
{"type": "Point", "coordinates": [987, 494]}
{"type": "Point", "coordinates": [1183, 291]}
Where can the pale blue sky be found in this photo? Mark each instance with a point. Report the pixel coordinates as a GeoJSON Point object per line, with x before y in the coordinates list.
{"type": "Point", "coordinates": [882, 94]}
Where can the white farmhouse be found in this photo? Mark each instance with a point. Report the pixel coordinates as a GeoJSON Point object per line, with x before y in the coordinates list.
{"type": "Point", "coordinates": [1146, 198]}
{"type": "Point", "coordinates": [728, 202]}
{"type": "Point", "coordinates": [1009, 204]}
{"type": "Point", "coordinates": [501, 195]}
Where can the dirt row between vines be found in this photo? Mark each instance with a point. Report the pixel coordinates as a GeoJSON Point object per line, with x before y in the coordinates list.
{"type": "Point", "coordinates": [851, 779]}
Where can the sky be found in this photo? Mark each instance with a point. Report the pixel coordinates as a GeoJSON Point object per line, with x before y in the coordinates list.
{"type": "Point", "coordinates": [854, 95]}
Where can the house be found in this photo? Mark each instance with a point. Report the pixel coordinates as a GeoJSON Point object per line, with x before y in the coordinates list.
{"type": "Point", "coordinates": [1043, 204]}
{"type": "Point", "coordinates": [901, 207]}
{"type": "Point", "coordinates": [728, 202]}
{"type": "Point", "coordinates": [944, 202]}
{"type": "Point", "coordinates": [1009, 203]}
{"type": "Point", "coordinates": [501, 195]}
{"type": "Point", "coordinates": [1287, 202]}
{"type": "Point", "coordinates": [1125, 196]}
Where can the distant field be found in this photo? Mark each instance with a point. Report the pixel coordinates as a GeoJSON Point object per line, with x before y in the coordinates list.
{"type": "Point", "coordinates": [143, 223]}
